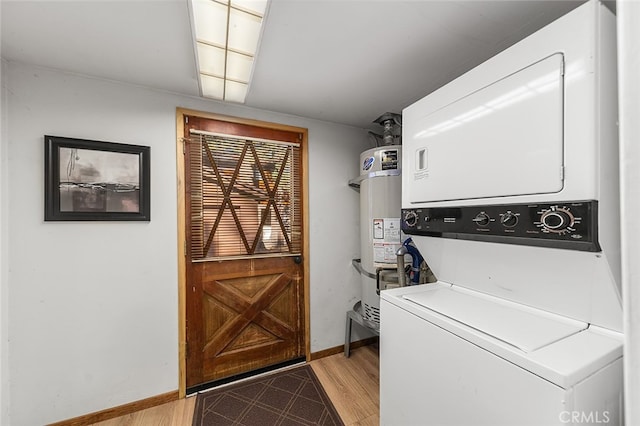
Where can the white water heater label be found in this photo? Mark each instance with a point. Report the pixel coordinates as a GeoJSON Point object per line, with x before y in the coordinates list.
{"type": "Point", "coordinates": [386, 239]}
{"type": "Point", "coordinates": [385, 252]}
{"type": "Point", "coordinates": [387, 229]}
{"type": "Point", "coordinates": [378, 229]}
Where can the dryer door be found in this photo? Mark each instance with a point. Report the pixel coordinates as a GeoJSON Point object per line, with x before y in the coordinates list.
{"type": "Point", "coordinates": [504, 139]}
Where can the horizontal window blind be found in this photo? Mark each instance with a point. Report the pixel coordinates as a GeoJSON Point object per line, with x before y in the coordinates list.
{"type": "Point", "coordinates": [245, 197]}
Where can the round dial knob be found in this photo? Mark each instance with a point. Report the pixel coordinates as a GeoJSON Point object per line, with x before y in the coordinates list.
{"type": "Point", "coordinates": [509, 219]}
{"type": "Point", "coordinates": [557, 220]}
{"type": "Point", "coordinates": [482, 219]}
{"type": "Point", "coordinates": [410, 218]}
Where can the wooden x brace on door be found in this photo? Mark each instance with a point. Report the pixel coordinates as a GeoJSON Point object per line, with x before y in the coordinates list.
{"type": "Point", "coordinates": [248, 310]}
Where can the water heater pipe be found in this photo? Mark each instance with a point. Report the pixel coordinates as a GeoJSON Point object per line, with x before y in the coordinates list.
{"type": "Point", "coordinates": [402, 275]}
{"type": "Point", "coordinates": [417, 260]}
{"type": "Point", "coordinates": [388, 121]}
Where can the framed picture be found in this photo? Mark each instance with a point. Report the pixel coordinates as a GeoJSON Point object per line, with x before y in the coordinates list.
{"type": "Point", "coordinates": [93, 180]}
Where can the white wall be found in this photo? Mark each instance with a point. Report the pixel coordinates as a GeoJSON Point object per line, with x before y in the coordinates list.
{"type": "Point", "coordinates": [4, 381]}
{"type": "Point", "coordinates": [629, 90]}
{"type": "Point", "coordinates": [93, 319]}
{"type": "Point", "coordinates": [332, 213]}
{"type": "Point", "coordinates": [4, 253]}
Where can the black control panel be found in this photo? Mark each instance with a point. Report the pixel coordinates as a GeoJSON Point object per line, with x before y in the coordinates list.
{"type": "Point", "coordinates": [569, 225]}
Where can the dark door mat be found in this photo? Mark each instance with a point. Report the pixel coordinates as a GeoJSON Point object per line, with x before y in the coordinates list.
{"type": "Point", "coordinates": [289, 397]}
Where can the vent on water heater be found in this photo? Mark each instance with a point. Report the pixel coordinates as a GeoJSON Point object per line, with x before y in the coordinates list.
{"type": "Point", "coordinates": [380, 205]}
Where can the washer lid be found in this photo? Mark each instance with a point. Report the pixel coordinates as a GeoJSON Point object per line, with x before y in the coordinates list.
{"type": "Point", "coordinates": [523, 327]}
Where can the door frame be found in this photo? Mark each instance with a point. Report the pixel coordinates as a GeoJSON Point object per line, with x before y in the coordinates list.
{"type": "Point", "coordinates": [182, 255]}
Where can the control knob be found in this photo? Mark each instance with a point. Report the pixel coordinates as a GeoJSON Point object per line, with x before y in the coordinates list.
{"type": "Point", "coordinates": [482, 219]}
{"type": "Point", "coordinates": [411, 218]}
{"type": "Point", "coordinates": [509, 219]}
{"type": "Point", "coordinates": [557, 220]}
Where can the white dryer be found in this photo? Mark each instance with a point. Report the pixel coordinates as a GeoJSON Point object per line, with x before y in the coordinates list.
{"type": "Point", "coordinates": [510, 191]}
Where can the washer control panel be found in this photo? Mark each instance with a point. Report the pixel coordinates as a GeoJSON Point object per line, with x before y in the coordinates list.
{"type": "Point", "coordinates": [568, 225]}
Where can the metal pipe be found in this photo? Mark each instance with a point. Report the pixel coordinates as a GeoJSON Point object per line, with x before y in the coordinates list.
{"type": "Point", "coordinates": [402, 275]}
{"type": "Point", "coordinates": [387, 135]}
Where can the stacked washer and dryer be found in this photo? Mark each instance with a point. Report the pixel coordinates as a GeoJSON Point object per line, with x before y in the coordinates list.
{"type": "Point", "coordinates": [510, 191]}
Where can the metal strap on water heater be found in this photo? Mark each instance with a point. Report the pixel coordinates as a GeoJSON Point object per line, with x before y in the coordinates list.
{"type": "Point", "coordinates": [357, 263]}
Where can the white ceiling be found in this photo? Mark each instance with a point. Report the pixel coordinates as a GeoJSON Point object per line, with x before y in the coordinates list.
{"type": "Point", "coordinates": [345, 61]}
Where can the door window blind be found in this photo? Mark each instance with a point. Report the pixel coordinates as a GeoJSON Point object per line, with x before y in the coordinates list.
{"type": "Point", "coordinates": [244, 196]}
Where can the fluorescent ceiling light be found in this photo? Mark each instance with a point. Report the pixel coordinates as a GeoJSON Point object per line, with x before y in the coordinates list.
{"type": "Point", "coordinates": [234, 91]}
{"type": "Point", "coordinates": [227, 34]}
{"type": "Point", "coordinates": [212, 87]}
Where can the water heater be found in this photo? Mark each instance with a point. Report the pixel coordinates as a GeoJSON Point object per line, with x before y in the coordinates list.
{"type": "Point", "coordinates": [380, 232]}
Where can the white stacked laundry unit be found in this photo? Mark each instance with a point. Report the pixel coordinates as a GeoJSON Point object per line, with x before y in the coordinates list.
{"type": "Point", "coordinates": [510, 191]}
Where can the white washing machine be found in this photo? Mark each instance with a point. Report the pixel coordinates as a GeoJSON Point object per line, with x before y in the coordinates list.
{"type": "Point", "coordinates": [510, 192]}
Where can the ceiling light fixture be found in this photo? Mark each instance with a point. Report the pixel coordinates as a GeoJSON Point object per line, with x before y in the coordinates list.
{"type": "Point", "coordinates": [227, 34]}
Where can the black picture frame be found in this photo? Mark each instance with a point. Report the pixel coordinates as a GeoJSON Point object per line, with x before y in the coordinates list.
{"type": "Point", "coordinates": [87, 180]}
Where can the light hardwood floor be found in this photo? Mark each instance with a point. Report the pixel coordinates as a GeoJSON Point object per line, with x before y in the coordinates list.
{"type": "Point", "coordinates": [351, 383]}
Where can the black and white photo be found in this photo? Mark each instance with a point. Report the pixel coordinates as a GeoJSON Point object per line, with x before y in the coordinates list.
{"type": "Point", "coordinates": [93, 180]}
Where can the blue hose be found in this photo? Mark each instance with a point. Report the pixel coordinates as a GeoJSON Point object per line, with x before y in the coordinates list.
{"type": "Point", "coordinates": [416, 260]}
